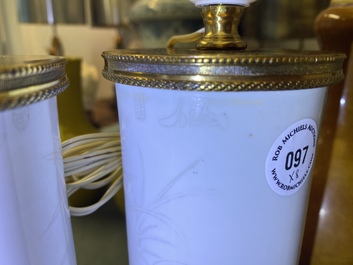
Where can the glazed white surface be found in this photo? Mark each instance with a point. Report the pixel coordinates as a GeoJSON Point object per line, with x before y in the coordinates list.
{"type": "Point", "coordinates": [35, 220]}
{"type": "Point", "coordinates": [194, 175]}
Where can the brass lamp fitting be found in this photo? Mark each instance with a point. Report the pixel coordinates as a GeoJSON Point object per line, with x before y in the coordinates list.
{"type": "Point", "coordinates": [221, 27]}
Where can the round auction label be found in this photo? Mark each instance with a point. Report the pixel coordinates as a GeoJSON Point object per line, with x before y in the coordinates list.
{"type": "Point", "coordinates": [291, 157]}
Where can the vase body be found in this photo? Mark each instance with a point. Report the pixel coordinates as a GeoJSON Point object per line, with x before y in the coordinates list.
{"type": "Point", "coordinates": [35, 225]}
{"type": "Point", "coordinates": [33, 193]}
{"type": "Point", "coordinates": [204, 131]}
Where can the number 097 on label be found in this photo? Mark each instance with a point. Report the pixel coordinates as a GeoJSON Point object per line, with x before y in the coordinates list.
{"type": "Point", "coordinates": [290, 159]}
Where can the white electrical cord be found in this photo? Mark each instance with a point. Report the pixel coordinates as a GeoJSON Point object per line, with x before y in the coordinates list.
{"type": "Point", "coordinates": [186, 38]}
{"type": "Point", "coordinates": [92, 161]}
{"type": "Point", "coordinates": [223, 2]}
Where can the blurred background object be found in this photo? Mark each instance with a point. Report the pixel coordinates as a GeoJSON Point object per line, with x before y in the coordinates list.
{"type": "Point", "coordinates": [3, 31]}
{"type": "Point", "coordinates": [52, 11]}
{"type": "Point", "coordinates": [110, 13]}
{"type": "Point", "coordinates": [329, 221]}
{"type": "Point", "coordinates": [281, 19]}
{"type": "Point", "coordinates": [159, 20]}
{"type": "Point", "coordinates": [72, 116]}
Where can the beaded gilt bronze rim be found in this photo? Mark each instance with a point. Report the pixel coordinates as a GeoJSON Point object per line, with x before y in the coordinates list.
{"type": "Point", "coordinates": [190, 69]}
{"type": "Point", "coordinates": [26, 96]}
{"type": "Point", "coordinates": [28, 79]}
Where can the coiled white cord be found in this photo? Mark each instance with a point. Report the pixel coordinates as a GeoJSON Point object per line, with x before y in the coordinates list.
{"type": "Point", "coordinates": [92, 161]}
